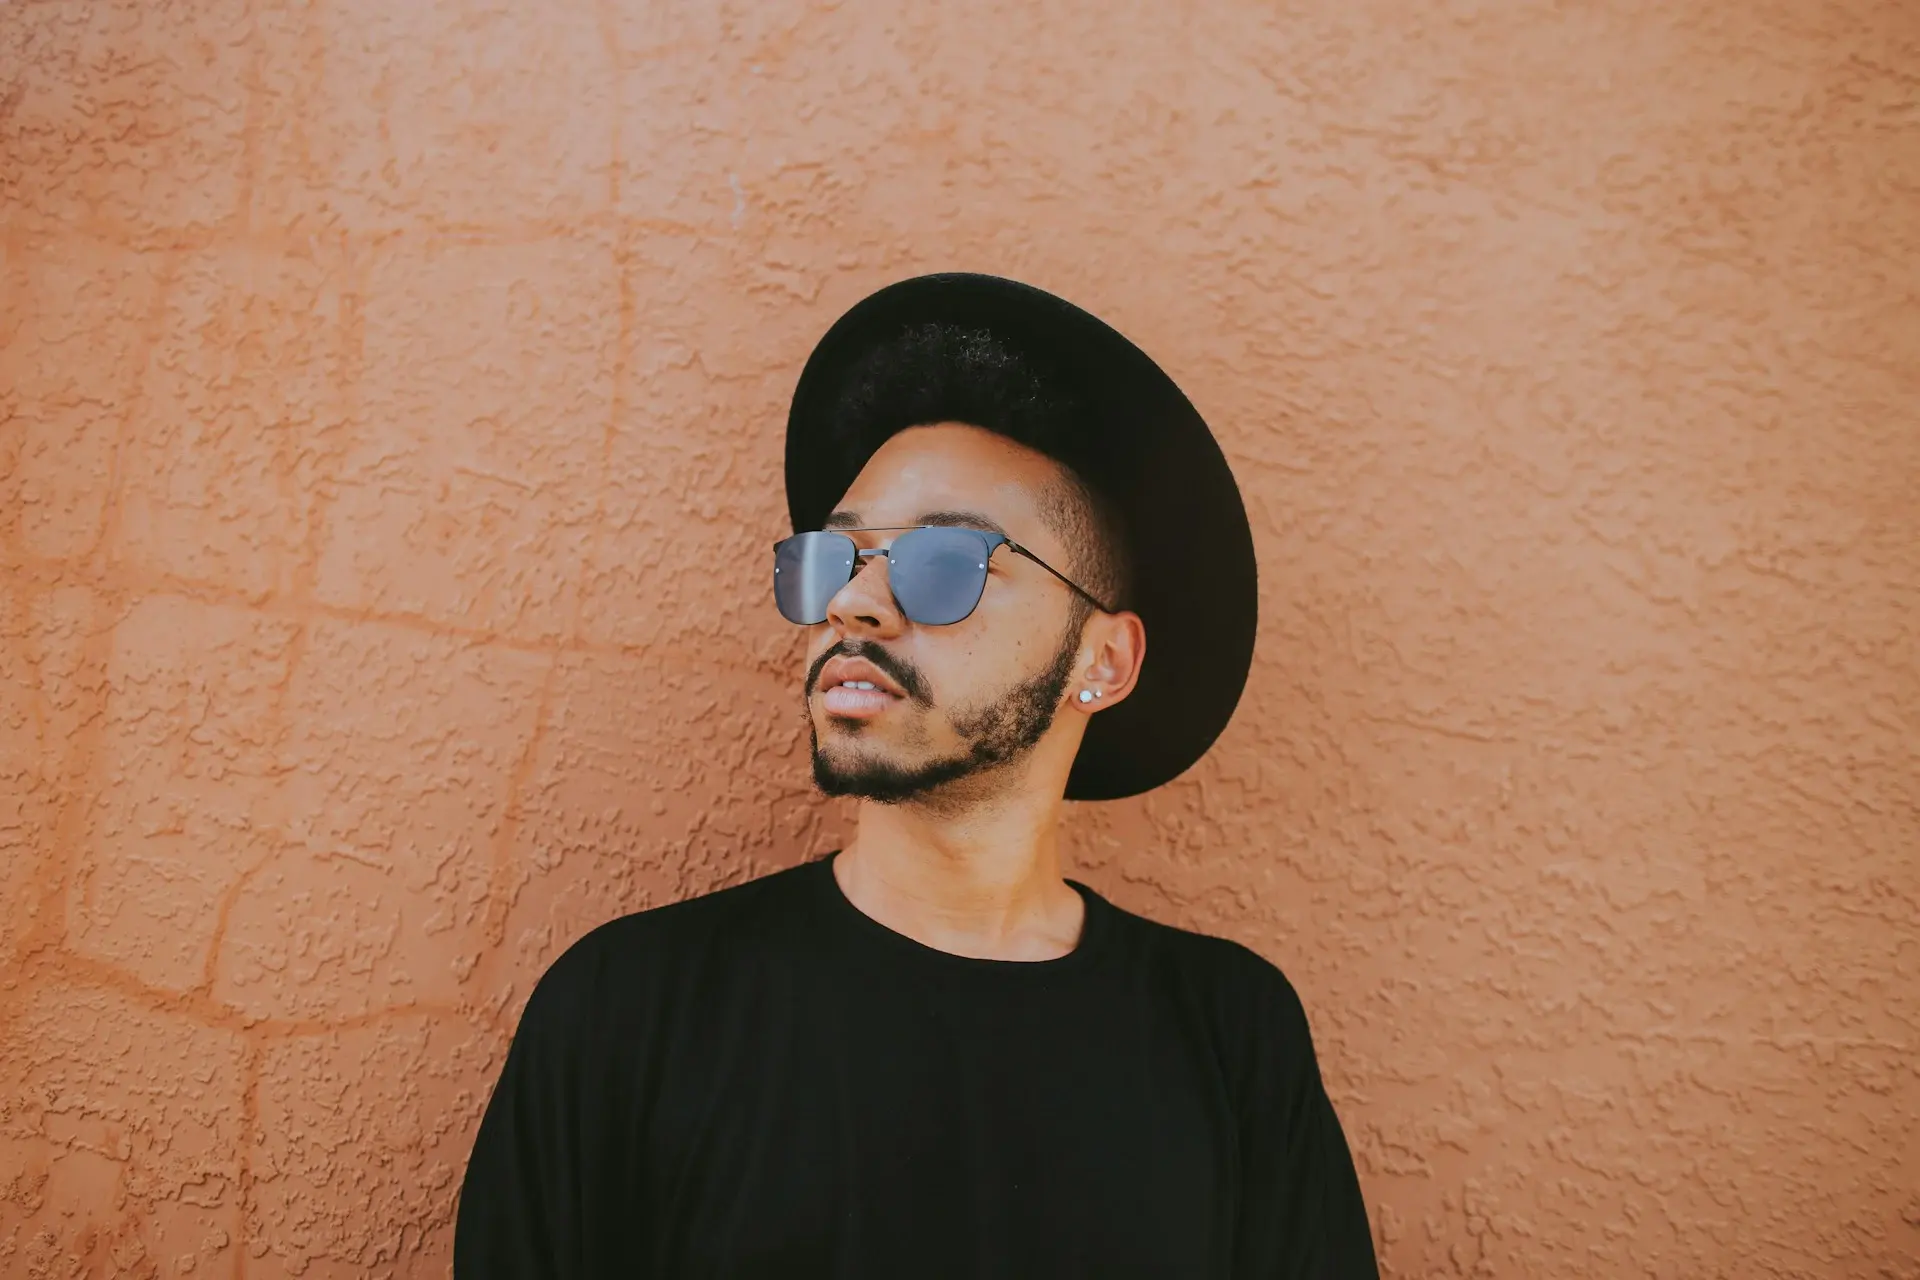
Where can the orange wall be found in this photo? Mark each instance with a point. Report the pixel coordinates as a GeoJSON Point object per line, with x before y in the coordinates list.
{"type": "Point", "coordinates": [390, 448]}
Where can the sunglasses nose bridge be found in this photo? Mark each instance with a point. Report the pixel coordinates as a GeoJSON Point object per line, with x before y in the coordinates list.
{"type": "Point", "coordinates": [861, 557]}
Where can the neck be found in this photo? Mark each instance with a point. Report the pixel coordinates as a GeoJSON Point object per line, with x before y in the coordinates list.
{"type": "Point", "coordinates": [980, 884]}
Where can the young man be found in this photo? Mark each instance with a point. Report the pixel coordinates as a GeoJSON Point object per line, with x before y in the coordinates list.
{"type": "Point", "coordinates": [928, 1054]}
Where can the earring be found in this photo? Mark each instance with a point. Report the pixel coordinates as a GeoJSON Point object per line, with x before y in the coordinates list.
{"type": "Point", "coordinates": [1088, 695]}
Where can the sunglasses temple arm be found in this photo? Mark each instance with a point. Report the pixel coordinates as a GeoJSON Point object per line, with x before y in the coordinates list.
{"type": "Point", "coordinates": [1063, 577]}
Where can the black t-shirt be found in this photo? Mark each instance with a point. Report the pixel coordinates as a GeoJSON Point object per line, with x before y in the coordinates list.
{"type": "Point", "coordinates": [767, 1082]}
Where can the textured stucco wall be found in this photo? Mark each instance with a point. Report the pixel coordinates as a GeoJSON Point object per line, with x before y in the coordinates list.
{"type": "Point", "coordinates": [390, 411]}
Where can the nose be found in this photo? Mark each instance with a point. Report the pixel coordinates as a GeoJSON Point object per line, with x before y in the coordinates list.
{"type": "Point", "coordinates": [866, 604]}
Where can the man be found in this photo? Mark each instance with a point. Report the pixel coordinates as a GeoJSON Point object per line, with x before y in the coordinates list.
{"type": "Point", "coordinates": [929, 1054]}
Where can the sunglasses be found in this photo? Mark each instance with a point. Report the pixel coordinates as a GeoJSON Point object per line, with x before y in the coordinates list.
{"type": "Point", "coordinates": [937, 572]}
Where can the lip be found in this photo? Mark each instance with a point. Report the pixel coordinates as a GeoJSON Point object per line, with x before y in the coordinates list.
{"type": "Point", "coordinates": [855, 704]}
{"type": "Point", "coordinates": [843, 669]}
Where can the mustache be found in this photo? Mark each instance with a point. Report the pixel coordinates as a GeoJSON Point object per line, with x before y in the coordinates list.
{"type": "Point", "coordinates": [904, 676]}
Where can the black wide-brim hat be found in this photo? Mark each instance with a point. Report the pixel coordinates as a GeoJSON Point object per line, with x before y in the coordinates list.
{"type": "Point", "coordinates": [1195, 583]}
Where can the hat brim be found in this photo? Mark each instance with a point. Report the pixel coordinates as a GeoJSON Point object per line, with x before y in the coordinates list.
{"type": "Point", "coordinates": [1196, 586]}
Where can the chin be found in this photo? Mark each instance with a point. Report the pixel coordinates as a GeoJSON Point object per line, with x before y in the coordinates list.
{"type": "Point", "coordinates": [844, 773]}
{"type": "Point", "coordinates": [887, 781]}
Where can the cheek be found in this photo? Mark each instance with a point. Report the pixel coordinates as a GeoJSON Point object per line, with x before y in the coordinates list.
{"type": "Point", "coordinates": [983, 651]}
{"type": "Point", "coordinates": [1016, 628]}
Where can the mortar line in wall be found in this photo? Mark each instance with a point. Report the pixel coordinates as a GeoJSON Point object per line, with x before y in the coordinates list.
{"type": "Point", "coordinates": [253, 77]}
{"type": "Point", "coordinates": [195, 1004]}
{"type": "Point", "coordinates": [295, 1028]}
{"type": "Point", "coordinates": [223, 914]}
{"type": "Point", "coordinates": [347, 348]}
{"type": "Point", "coordinates": [494, 928]}
{"type": "Point", "coordinates": [49, 881]}
{"type": "Point", "coordinates": [99, 558]}
{"type": "Point", "coordinates": [341, 344]}
{"type": "Point", "coordinates": [610, 35]}
{"type": "Point", "coordinates": [623, 338]}
{"type": "Point", "coordinates": [243, 1173]}
{"type": "Point", "coordinates": [13, 279]}
{"type": "Point", "coordinates": [44, 864]}
{"type": "Point", "coordinates": [185, 242]}
{"type": "Point", "coordinates": [114, 582]}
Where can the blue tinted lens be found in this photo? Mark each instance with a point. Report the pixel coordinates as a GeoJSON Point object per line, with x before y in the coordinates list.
{"type": "Point", "coordinates": [808, 569]}
{"type": "Point", "coordinates": [938, 574]}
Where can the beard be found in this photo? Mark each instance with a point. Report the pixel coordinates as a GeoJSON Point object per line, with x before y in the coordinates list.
{"type": "Point", "coordinates": [993, 736]}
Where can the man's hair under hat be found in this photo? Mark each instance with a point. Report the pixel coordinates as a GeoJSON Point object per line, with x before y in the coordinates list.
{"type": "Point", "coordinates": [934, 373]}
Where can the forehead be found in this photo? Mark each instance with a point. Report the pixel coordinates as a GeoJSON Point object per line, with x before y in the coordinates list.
{"type": "Point", "coordinates": [950, 474]}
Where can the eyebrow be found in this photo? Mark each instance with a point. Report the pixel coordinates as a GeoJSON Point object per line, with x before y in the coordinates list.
{"type": "Point", "coordinates": [966, 519]}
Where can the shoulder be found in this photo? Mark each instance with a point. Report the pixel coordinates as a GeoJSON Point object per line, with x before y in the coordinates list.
{"type": "Point", "coordinates": [1219, 962]}
{"type": "Point", "coordinates": [613, 962]}
{"type": "Point", "coordinates": [1246, 995]}
{"type": "Point", "coordinates": [722, 913]}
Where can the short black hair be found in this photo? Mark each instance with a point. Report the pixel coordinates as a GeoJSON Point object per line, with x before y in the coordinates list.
{"type": "Point", "coordinates": [932, 373]}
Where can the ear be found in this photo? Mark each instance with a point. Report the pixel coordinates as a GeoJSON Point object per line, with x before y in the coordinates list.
{"type": "Point", "coordinates": [1115, 645]}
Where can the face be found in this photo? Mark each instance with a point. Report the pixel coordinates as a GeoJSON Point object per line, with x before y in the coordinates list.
{"type": "Point", "coordinates": [982, 695]}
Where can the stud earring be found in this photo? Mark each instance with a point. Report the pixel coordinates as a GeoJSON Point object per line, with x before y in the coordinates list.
{"type": "Point", "coordinates": [1088, 695]}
